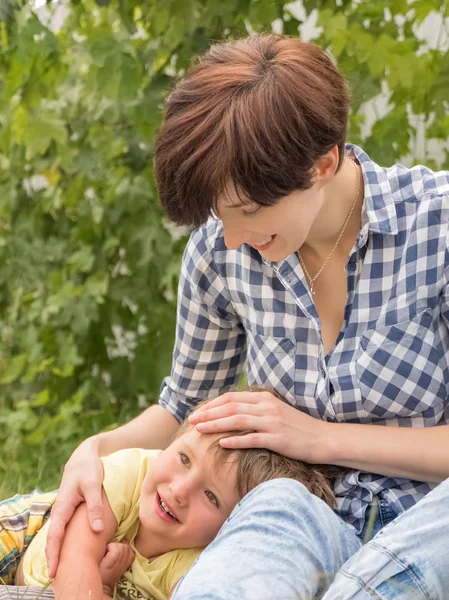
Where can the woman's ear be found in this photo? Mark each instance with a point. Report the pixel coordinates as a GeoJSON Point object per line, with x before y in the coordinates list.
{"type": "Point", "coordinates": [326, 166]}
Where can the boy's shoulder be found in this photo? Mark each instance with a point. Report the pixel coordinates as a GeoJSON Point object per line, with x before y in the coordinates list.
{"type": "Point", "coordinates": [132, 455]}
{"type": "Point", "coordinates": [123, 475]}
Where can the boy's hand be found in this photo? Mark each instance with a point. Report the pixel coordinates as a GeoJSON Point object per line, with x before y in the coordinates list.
{"type": "Point", "coordinates": [118, 558]}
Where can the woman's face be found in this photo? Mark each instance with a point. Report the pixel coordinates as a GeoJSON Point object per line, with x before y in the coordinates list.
{"type": "Point", "coordinates": [275, 231]}
{"type": "Point", "coordinates": [281, 229]}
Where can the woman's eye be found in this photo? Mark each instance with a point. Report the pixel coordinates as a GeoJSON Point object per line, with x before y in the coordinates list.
{"type": "Point", "coordinates": [184, 459]}
{"type": "Point", "coordinates": [212, 497]}
{"type": "Point", "coordinates": [249, 213]}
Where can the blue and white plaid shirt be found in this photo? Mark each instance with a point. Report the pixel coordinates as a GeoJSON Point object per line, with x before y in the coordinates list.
{"type": "Point", "coordinates": [390, 365]}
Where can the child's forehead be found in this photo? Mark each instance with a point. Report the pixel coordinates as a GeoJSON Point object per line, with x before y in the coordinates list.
{"type": "Point", "coordinates": [209, 453]}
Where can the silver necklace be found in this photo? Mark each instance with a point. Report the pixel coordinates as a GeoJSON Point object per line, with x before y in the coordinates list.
{"type": "Point", "coordinates": [311, 280]}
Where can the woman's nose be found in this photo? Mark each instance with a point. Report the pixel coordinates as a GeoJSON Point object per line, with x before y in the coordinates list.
{"type": "Point", "coordinates": [234, 237]}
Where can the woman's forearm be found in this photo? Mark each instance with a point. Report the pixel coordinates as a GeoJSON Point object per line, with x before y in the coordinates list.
{"type": "Point", "coordinates": [420, 454]}
{"type": "Point", "coordinates": [154, 428]}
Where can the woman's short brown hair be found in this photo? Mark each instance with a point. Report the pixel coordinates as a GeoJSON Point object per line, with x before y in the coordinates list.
{"type": "Point", "coordinates": [257, 465]}
{"type": "Point", "coordinates": [254, 114]}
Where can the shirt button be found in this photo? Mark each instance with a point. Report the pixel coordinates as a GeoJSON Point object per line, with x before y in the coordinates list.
{"type": "Point", "coordinates": [352, 266]}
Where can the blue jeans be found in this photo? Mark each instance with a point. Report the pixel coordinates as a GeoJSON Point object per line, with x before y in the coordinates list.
{"type": "Point", "coordinates": [282, 543]}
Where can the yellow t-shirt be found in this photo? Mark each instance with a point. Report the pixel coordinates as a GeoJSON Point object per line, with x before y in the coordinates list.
{"type": "Point", "coordinates": [124, 472]}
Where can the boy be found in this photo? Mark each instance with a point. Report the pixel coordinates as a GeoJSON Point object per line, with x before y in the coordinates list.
{"type": "Point", "coordinates": [167, 505]}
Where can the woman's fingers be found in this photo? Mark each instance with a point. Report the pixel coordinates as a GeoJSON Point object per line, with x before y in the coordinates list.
{"type": "Point", "coordinates": [225, 410]}
{"type": "Point", "coordinates": [61, 514]}
{"type": "Point", "coordinates": [234, 423]}
{"type": "Point", "coordinates": [94, 505]}
{"type": "Point", "coordinates": [82, 481]}
{"type": "Point", "coordinates": [237, 397]}
{"type": "Point", "coordinates": [251, 440]}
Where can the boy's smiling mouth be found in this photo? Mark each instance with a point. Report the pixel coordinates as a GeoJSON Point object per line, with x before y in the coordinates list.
{"type": "Point", "coordinates": [164, 510]}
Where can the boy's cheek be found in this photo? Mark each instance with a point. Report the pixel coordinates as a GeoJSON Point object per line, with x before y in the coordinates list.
{"type": "Point", "coordinates": [208, 529]}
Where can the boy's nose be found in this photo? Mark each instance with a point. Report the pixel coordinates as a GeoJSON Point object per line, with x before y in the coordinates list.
{"type": "Point", "coordinates": [181, 490]}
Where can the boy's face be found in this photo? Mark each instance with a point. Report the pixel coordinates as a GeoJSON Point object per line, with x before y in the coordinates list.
{"type": "Point", "coordinates": [187, 495]}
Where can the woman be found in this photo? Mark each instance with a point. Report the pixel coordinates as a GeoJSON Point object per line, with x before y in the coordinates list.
{"type": "Point", "coordinates": [330, 272]}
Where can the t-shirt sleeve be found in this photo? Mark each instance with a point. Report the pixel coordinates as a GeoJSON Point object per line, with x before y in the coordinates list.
{"type": "Point", "coordinates": [124, 472]}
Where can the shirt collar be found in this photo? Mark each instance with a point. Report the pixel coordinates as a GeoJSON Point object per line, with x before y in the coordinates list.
{"type": "Point", "coordinates": [379, 211]}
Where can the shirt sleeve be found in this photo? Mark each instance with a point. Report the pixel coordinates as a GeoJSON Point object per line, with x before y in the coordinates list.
{"type": "Point", "coordinates": [210, 340]}
{"type": "Point", "coordinates": [124, 472]}
{"type": "Point", "coordinates": [445, 301]}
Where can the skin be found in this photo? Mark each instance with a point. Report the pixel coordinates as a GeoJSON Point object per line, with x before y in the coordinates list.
{"type": "Point", "coordinates": [309, 221]}
{"type": "Point", "coordinates": [197, 489]}
{"type": "Point", "coordinates": [200, 492]}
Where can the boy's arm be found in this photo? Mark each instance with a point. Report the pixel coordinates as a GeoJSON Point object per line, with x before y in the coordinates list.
{"type": "Point", "coordinates": [83, 474]}
{"type": "Point", "coordinates": [78, 575]}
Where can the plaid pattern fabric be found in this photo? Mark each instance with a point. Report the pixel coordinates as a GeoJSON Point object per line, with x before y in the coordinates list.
{"type": "Point", "coordinates": [389, 366]}
{"type": "Point", "coordinates": [21, 517]}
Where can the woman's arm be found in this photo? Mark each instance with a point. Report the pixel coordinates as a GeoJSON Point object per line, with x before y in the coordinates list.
{"type": "Point", "coordinates": [78, 574]}
{"type": "Point", "coordinates": [421, 454]}
{"type": "Point", "coordinates": [154, 428]}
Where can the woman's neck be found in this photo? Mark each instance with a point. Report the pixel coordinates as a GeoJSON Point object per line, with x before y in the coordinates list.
{"type": "Point", "coordinates": [341, 194]}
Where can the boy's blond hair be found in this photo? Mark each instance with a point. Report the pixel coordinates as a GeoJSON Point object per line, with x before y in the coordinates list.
{"type": "Point", "coordinates": [256, 465]}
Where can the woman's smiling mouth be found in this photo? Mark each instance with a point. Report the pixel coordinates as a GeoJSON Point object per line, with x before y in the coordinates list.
{"type": "Point", "coordinates": [265, 244]}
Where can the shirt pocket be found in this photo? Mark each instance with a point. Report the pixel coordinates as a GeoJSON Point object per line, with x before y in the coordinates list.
{"type": "Point", "coordinates": [271, 363]}
{"type": "Point", "coordinates": [399, 372]}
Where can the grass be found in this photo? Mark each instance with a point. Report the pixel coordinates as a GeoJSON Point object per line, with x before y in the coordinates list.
{"type": "Point", "coordinates": [22, 593]}
{"type": "Point", "coordinates": [41, 468]}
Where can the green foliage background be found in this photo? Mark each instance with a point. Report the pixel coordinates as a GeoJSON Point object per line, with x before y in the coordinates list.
{"type": "Point", "coordinates": [88, 265]}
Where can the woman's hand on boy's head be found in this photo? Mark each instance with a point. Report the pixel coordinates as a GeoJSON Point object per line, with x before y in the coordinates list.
{"type": "Point", "coordinates": [276, 425]}
{"type": "Point", "coordinates": [82, 482]}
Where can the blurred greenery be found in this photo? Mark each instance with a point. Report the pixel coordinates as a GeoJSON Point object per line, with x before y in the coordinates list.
{"type": "Point", "coordinates": [88, 265]}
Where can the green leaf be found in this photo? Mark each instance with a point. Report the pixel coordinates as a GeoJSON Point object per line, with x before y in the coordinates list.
{"type": "Point", "coordinates": [43, 129]}
{"type": "Point", "coordinates": [13, 368]}
{"type": "Point", "coordinates": [7, 8]}
{"type": "Point", "coordinates": [19, 126]}
{"type": "Point", "coordinates": [82, 260]}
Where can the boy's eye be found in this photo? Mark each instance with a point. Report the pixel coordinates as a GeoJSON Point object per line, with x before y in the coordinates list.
{"type": "Point", "coordinates": [212, 497]}
{"type": "Point", "coordinates": [184, 459]}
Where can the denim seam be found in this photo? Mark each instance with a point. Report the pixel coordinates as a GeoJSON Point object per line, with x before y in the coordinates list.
{"type": "Point", "coordinates": [416, 579]}
{"type": "Point", "coordinates": [360, 583]}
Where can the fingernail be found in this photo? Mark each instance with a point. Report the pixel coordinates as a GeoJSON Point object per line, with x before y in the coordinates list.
{"type": "Point", "coordinates": [98, 525]}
